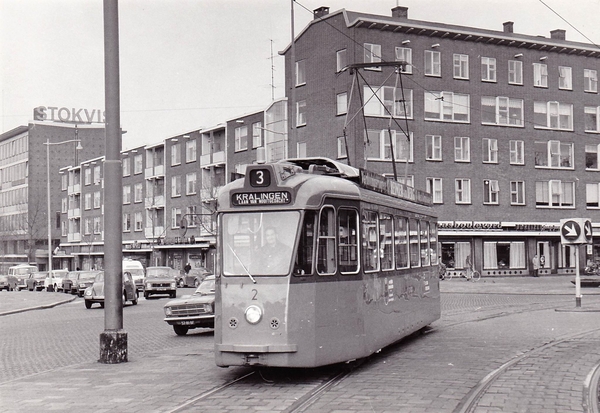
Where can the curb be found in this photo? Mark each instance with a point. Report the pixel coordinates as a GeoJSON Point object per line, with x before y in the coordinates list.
{"type": "Point", "coordinates": [37, 307]}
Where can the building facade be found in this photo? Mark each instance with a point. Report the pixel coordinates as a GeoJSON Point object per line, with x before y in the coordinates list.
{"type": "Point", "coordinates": [501, 128]}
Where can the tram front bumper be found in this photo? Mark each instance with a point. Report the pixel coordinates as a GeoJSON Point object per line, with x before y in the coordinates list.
{"type": "Point", "coordinates": [264, 348]}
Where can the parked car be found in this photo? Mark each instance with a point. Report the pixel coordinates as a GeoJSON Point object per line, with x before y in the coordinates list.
{"type": "Point", "coordinates": [95, 293]}
{"type": "Point", "coordinates": [193, 311]}
{"type": "Point", "coordinates": [193, 278]}
{"type": "Point", "coordinates": [77, 281]}
{"type": "Point", "coordinates": [36, 281]}
{"type": "Point", "coordinates": [8, 282]}
{"type": "Point", "coordinates": [160, 280]}
{"type": "Point", "coordinates": [136, 269]}
{"type": "Point", "coordinates": [53, 280]}
{"type": "Point", "coordinates": [22, 272]}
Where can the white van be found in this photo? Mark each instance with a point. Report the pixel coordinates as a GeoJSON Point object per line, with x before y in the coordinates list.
{"type": "Point", "coordinates": [137, 271]}
{"type": "Point", "coordinates": [21, 272]}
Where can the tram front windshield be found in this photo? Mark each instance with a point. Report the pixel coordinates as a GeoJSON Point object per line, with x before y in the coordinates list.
{"type": "Point", "coordinates": [259, 243]}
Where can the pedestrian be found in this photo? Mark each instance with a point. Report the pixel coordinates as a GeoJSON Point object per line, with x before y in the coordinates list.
{"type": "Point", "coordinates": [441, 269]}
{"type": "Point", "coordinates": [536, 265]}
{"type": "Point", "coordinates": [187, 268]}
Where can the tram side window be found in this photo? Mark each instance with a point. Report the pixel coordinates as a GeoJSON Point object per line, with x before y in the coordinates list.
{"type": "Point", "coordinates": [424, 237]}
{"type": "Point", "coordinates": [304, 259]}
{"type": "Point", "coordinates": [326, 251]}
{"type": "Point", "coordinates": [433, 245]}
{"type": "Point", "coordinates": [401, 242]}
{"type": "Point", "coordinates": [386, 231]}
{"type": "Point", "coordinates": [348, 241]}
{"type": "Point", "coordinates": [415, 256]}
{"type": "Point", "coordinates": [370, 240]}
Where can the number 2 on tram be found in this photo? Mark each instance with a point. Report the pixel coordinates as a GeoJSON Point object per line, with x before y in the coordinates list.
{"type": "Point", "coordinates": [321, 264]}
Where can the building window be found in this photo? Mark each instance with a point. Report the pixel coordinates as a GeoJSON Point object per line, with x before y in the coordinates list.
{"type": "Point", "coordinates": [591, 157]}
{"type": "Point", "coordinates": [461, 66]}
{"type": "Point", "coordinates": [301, 113]}
{"type": "Point", "coordinates": [257, 131]}
{"type": "Point", "coordinates": [191, 216]}
{"type": "Point", "coordinates": [378, 145]}
{"type": "Point", "coordinates": [447, 107]}
{"type": "Point", "coordinates": [462, 191]}
{"type": "Point", "coordinates": [64, 180]}
{"type": "Point", "coordinates": [341, 103]}
{"type": "Point", "coordinates": [190, 150]}
{"type": "Point", "coordinates": [404, 54]}
{"type": "Point", "coordinates": [175, 186]}
{"type": "Point", "coordinates": [138, 192]}
{"type": "Point", "coordinates": [554, 194]}
{"type": "Point", "coordinates": [341, 60]}
{"type": "Point", "coordinates": [88, 226]}
{"type": "Point", "coordinates": [97, 175]}
{"type": "Point", "coordinates": [490, 150]}
{"type": "Point", "coordinates": [517, 152]}
{"type": "Point", "coordinates": [517, 192]}
{"type": "Point", "coordinates": [190, 183]}
{"type": "Point", "coordinates": [126, 222]}
{"type": "Point", "coordinates": [138, 166]}
{"type": "Point", "coordinates": [502, 255]}
{"type": "Point", "coordinates": [65, 204]}
{"type": "Point", "coordinates": [515, 72]}
{"type": "Point", "coordinates": [388, 100]}
{"type": "Point", "coordinates": [590, 80]}
{"type": "Point", "coordinates": [97, 225]}
{"type": "Point", "coordinates": [87, 176]}
{"type": "Point", "coordinates": [175, 217]}
{"type": "Point", "coordinates": [127, 194]}
{"type": "Point", "coordinates": [433, 63]}
{"type": "Point", "coordinates": [434, 187]}
{"type": "Point", "coordinates": [139, 221]}
{"type": "Point", "coordinates": [565, 78]}
{"type": "Point", "coordinates": [241, 138]}
{"type": "Point", "coordinates": [372, 55]}
{"type": "Point", "coordinates": [175, 154]}
{"type": "Point", "coordinates": [300, 72]}
{"type": "Point", "coordinates": [553, 115]}
{"type": "Point", "coordinates": [462, 152]}
{"type": "Point", "coordinates": [434, 147]}
{"type": "Point", "coordinates": [126, 166]}
{"type": "Point", "coordinates": [97, 199]}
{"type": "Point", "coordinates": [341, 148]}
{"type": "Point", "coordinates": [301, 149]}
{"type": "Point", "coordinates": [592, 118]}
{"type": "Point", "coordinates": [540, 75]}
{"type": "Point", "coordinates": [488, 69]}
{"type": "Point", "coordinates": [87, 201]}
{"type": "Point", "coordinates": [490, 191]}
{"type": "Point", "coordinates": [500, 110]}
{"type": "Point", "coordinates": [592, 195]}
{"type": "Point", "coordinates": [554, 154]}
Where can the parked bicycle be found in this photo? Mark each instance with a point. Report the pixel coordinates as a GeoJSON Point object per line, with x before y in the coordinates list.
{"type": "Point", "coordinates": [468, 273]}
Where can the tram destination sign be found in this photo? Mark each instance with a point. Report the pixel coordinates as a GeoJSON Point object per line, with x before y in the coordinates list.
{"type": "Point", "coordinates": [261, 198]}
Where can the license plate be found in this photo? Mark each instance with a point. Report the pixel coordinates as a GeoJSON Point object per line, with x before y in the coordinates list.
{"type": "Point", "coordinates": [185, 323]}
{"type": "Point", "coordinates": [161, 289]}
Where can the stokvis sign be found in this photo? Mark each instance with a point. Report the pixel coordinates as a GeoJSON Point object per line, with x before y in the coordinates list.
{"type": "Point", "coordinates": [70, 115]}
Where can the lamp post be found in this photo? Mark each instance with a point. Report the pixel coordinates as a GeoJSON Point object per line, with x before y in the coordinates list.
{"type": "Point", "coordinates": [48, 144]}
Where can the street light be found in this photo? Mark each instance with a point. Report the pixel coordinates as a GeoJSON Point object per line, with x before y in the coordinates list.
{"type": "Point", "coordinates": [48, 143]}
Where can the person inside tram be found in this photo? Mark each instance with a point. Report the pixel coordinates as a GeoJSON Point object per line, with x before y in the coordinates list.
{"type": "Point", "coordinates": [272, 257]}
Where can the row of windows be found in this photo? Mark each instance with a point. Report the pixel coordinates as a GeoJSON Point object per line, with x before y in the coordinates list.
{"type": "Point", "coordinates": [241, 137]}
{"type": "Point", "coordinates": [14, 150]}
{"type": "Point", "coordinates": [387, 242]}
{"type": "Point", "coordinates": [548, 194]}
{"type": "Point", "coordinates": [552, 154]}
{"type": "Point", "coordinates": [455, 107]}
{"type": "Point", "coordinates": [432, 66]}
{"type": "Point", "coordinates": [154, 158]}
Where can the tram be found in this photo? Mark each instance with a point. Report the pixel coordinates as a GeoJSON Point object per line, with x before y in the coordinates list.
{"type": "Point", "coordinates": [321, 263]}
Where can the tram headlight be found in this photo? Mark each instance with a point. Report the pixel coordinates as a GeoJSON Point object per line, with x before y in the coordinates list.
{"type": "Point", "coordinates": [253, 314]}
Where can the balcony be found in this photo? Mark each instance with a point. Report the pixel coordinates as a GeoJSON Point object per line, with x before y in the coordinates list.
{"type": "Point", "coordinates": [217, 159]}
{"type": "Point", "coordinates": [154, 202]}
{"type": "Point", "coordinates": [74, 237]}
{"type": "Point", "coordinates": [74, 213]}
{"type": "Point", "coordinates": [74, 189]}
{"type": "Point", "coordinates": [155, 172]}
{"type": "Point", "coordinates": [155, 232]}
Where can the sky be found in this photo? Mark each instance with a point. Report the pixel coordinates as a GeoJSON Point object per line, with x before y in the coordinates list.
{"type": "Point", "coordinates": [191, 64]}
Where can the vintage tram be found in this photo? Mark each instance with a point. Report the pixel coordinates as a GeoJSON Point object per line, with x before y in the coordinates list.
{"type": "Point", "coordinates": [321, 263]}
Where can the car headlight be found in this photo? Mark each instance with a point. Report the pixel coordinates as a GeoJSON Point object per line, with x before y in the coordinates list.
{"type": "Point", "coordinates": [149, 285]}
{"type": "Point", "coordinates": [253, 314]}
{"type": "Point", "coordinates": [173, 285]}
{"type": "Point", "coordinates": [168, 311]}
{"type": "Point", "coordinates": [88, 292]}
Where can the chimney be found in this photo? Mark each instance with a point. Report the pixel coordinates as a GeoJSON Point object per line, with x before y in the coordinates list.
{"type": "Point", "coordinates": [559, 34]}
{"type": "Point", "coordinates": [508, 27]}
{"type": "Point", "coordinates": [400, 12]}
{"type": "Point", "coordinates": [321, 12]}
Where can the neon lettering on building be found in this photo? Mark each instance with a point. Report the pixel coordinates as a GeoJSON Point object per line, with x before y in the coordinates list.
{"type": "Point", "coordinates": [68, 115]}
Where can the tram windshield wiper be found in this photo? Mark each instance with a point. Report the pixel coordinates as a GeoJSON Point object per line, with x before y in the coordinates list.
{"type": "Point", "coordinates": [242, 264]}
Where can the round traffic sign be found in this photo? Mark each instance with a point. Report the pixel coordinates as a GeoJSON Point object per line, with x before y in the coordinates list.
{"type": "Point", "coordinates": [570, 230]}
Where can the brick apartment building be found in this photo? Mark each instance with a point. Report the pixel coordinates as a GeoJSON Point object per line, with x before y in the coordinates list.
{"type": "Point", "coordinates": [502, 128]}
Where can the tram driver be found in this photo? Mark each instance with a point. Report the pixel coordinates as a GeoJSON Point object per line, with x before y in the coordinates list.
{"type": "Point", "coordinates": [272, 257]}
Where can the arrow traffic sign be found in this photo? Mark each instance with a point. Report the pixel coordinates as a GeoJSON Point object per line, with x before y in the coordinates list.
{"type": "Point", "coordinates": [575, 231]}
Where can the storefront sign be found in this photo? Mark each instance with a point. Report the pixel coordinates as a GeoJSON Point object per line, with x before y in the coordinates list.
{"type": "Point", "coordinates": [470, 225]}
{"type": "Point", "coordinates": [68, 115]}
{"type": "Point", "coordinates": [261, 198]}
